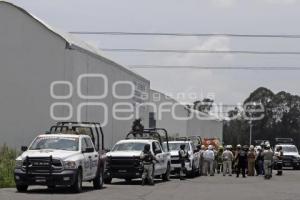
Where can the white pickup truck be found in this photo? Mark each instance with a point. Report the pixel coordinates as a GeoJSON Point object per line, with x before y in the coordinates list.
{"type": "Point", "coordinates": [59, 160]}
{"type": "Point", "coordinates": [192, 163]}
{"type": "Point", "coordinates": [124, 162]}
{"type": "Point", "coordinates": [291, 157]}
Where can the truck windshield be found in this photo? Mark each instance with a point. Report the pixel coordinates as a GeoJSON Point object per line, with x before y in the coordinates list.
{"type": "Point", "coordinates": [130, 146]}
{"type": "Point", "coordinates": [290, 149]}
{"type": "Point", "coordinates": [58, 143]}
{"type": "Point", "coordinates": [176, 146]}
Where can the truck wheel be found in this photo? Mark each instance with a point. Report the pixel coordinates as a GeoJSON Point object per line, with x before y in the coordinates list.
{"type": "Point", "coordinates": [98, 181]}
{"type": "Point", "coordinates": [108, 180]}
{"type": "Point", "coordinates": [166, 176]}
{"type": "Point", "coordinates": [22, 188]}
{"type": "Point", "coordinates": [51, 187]}
{"type": "Point", "coordinates": [128, 180]}
{"type": "Point", "coordinates": [77, 186]}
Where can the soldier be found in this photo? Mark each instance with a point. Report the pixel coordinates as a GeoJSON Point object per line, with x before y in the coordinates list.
{"type": "Point", "coordinates": [148, 162]}
{"type": "Point", "coordinates": [268, 159]}
{"type": "Point", "coordinates": [227, 158]}
{"type": "Point", "coordinates": [251, 161]}
{"type": "Point", "coordinates": [220, 160]}
{"type": "Point", "coordinates": [183, 155]}
{"type": "Point", "coordinates": [279, 157]}
{"type": "Point", "coordinates": [260, 161]}
{"type": "Point", "coordinates": [241, 158]}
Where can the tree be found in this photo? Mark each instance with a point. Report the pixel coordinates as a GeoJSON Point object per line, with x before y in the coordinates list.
{"type": "Point", "coordinates": [281, 118]}
{"type": "Point", "coordinates": [203, 106]}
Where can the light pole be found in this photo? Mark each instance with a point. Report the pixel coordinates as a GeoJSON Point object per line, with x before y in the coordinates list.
{"type": "Point", "coordinates": [251, 125]}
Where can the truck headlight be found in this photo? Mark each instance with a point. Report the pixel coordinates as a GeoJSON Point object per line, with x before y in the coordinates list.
{"type": "Point", "coordinates": [19, 163]}
{"type": "Point", "coordinates": [70, 165]}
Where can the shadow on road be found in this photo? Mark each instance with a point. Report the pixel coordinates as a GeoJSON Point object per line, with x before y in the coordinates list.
{"type": "Point", "coordinates": [58, 190]}
{"type": "Point", "coordinates": [134, 182]}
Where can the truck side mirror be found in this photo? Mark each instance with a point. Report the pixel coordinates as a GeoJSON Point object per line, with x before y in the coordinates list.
{"type": "Point", "coordinates": [24, 148]}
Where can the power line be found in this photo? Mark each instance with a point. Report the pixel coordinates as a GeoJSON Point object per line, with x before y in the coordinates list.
{"type": "Point", "coordinates": [130, 50]}
{"type": "Point", "coordinates": [290, 36]}
{"type": "Point", "coordinates": [214, 68]}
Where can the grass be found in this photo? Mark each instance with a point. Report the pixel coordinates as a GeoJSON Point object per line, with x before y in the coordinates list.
{"type": "Point", "coordinates": [7, 164]}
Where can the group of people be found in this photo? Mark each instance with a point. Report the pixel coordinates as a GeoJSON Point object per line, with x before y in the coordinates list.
{"type": "Point", "coordinates": [243, 160]}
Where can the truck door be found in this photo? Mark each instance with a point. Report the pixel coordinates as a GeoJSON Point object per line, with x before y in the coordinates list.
{"type": "Point", "coordinates": [93, 157]}
{"type": "Point", "coordinates": [86, 169]}
{"type": "Point", "coordinates": [159, 156]}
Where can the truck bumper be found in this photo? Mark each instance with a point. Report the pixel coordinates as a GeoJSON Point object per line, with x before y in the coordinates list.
{"type": "Point", "coordinates": [175, 168]}
{"type": "Point", "coordinates": [124, 173]}
{"type": "Point", "coordinates": [64, 178]}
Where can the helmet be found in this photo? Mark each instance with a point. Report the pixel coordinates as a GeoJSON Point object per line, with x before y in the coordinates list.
{"type": "Point", "coordinates": [238, 146]}
{"type": "Point", "coordinates": [228, 147]}
{"type": "Point", "coordinates": [268, 146]}
{"type": "Point", "coordinates": [251, 147]}
{"type": "Point", "coordinates": [182, 146]}
{"type": "Point", "coordinates": [258, 147]}
{"type": "Point", "coordinates": [202, 146]}
{"type": "Point", "coordinates": [221, 147]}
{"type": "Point", "coordinates": [210, 147]}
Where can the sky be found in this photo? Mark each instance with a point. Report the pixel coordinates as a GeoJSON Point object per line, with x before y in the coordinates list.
{"type": "Point", "coordinates": [189, 16]}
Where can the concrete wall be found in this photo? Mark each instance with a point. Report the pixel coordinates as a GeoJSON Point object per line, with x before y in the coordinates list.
{"type": "Point", "coordinates": [167, 120]}
{"type": "Point", "coordinates": [204, 126]}
{"type": "Point", "coordinates": [31, 58]}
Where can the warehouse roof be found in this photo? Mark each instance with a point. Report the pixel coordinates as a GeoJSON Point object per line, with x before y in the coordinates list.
{"type": "Point", "coordinates": [197, 112]}
{"type": "Point", "coordinates": [74, 43]}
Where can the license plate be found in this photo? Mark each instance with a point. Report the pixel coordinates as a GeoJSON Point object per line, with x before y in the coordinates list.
{"type": "Point", "coordinates": [40, 179]}
{"type": "Point", "coordinates": [122, 171]}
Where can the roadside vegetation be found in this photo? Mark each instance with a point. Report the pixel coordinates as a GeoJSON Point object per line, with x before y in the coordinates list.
{"type": "Point", "coordinates": [7, 163]}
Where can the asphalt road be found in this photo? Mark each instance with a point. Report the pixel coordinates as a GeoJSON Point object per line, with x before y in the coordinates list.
{"type": "Point", "coordinates": [218, 187]}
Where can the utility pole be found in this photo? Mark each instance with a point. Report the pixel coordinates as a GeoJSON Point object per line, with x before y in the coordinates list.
{"type": "Point", "coordinates": [251, 125]}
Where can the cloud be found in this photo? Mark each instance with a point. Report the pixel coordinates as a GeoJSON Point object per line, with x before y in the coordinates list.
{"type": "Point", "coordinates": [224, 3]}
{"type": "Point", "coordinates": [281, 1]}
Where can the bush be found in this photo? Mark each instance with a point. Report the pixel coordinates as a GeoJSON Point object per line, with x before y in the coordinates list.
{"type": "Point", "coordinates": [7, 164]}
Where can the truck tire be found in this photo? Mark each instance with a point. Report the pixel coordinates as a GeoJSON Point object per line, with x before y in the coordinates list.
{"type": "Point", "coordinates": [51, 187]}
{"type": "Point", "coordinates": [128, 180]}
{"type": "Point", "coordinates": [98, 181]}
{"type": "Point", "coordinates": [22, 188]}
{"type": "Point", "coordinates": [166, 176]}
{"type": "Point", "coordinates": [107, 180]}
{"type": "Point", "coordinates": [77, 186]}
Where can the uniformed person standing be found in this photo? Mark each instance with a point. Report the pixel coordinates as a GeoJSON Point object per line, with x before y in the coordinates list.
{"type": "Point", "coordinates": [241, 158]}
{"type": "Point", "coordinates": [251, 161]}
{"type": "Point", "coordinates": [148, 162]}
{"type": "Point", "coordinates": [279, 157]}
{"type": "Point", "coordinates": [209, 158]}
{"type": "Point", "coordinates": [201, 166]}
{"type": "Point", "coordinates": [220, 160]}
{"type": "Point", "coordinates": [227, 158]}
{"type": "Point", "coordinates": [183, 155]}
{"type": "Point", "coordinates": [268, 159]}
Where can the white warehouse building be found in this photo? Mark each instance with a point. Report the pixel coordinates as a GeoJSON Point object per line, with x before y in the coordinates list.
{"type": "Point", "coordinates": [47, 75]}
{"type": "Point", "coordinates": [180, 121]}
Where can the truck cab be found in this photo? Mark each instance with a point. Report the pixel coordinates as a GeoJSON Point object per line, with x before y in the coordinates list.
{"type": "Point", "coordinates": [64, 157]}
{"type": "Point", "coordinates": [124, 162]}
